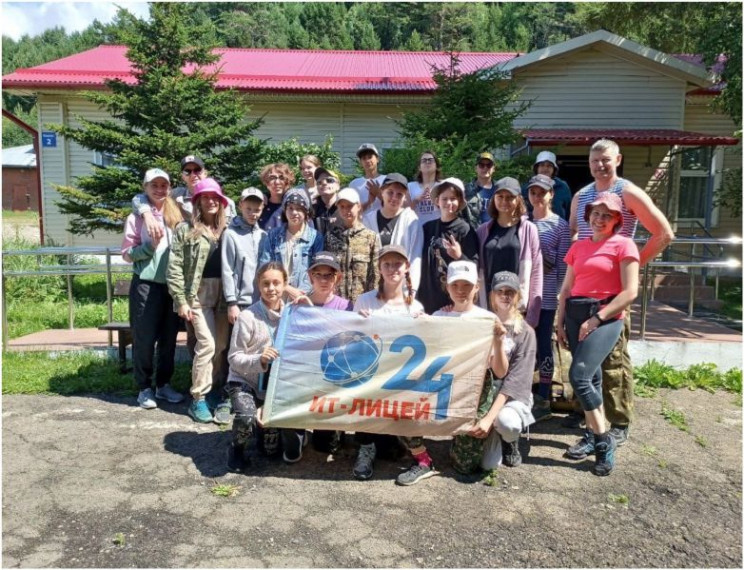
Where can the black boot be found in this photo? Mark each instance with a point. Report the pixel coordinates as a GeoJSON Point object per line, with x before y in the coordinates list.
{"type": "Point", "coordinates": [604, 448]}
{"type": "Point", "coordinates": [236, 458]}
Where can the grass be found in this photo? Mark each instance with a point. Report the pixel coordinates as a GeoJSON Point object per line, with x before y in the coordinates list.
{"type": "Point", "coordinates": [649, 450]}
{"type": "Point", "coordinates": [24, 217]}
{"type": "Point", "coordinates": [674, 417]}
{"type": "Point", "coordinates": [702, 441]}
{"type": "Point", "coordinates": [654, 375]}
{"type": "Point", "coordinates": [225, 490]}
{"type": "Point", "coordinates": [492, 478]}
{"type": "Point", "coordinates": [729, 291]}
{"type": "Point", "coordinates": [119, 539]}
{"type": "Point", "coordinates": [621, 499]}
{"type": "Point", "coordinates": [73, 373]}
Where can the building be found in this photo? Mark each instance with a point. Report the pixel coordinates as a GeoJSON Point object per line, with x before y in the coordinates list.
{"type": "Point", "coordinates": [655, 105]}
{"type": "Point", "coordinates": [20, 182]}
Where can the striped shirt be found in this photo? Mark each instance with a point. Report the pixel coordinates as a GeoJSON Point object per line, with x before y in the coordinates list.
{"type": "Point", "coordinates": [588, 194]}
{"type": "Point", "coordinates": [555, 239]}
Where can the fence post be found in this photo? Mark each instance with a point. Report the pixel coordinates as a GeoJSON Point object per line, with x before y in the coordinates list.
{"type": "Point", "coordinates": [691, 304]}
{"type": "Point", "coordinates": [70, 310]}
{"type": "Point", "coordinates": [109, 296]}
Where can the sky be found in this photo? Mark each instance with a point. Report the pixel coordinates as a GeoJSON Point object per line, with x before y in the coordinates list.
{"type": "Point", "coordinates": [32, 18]}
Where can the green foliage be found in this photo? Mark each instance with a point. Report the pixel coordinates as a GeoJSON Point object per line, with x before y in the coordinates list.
{"type": "Point", "coordinates": [13, 134]}
{"type": "Point", "coordinates": [654, 375]}
{"type": "Point", "coordinates": [702, 441]}
{"type": "Point", "coordinates": [165, 115]}
{"type": "Point", "coordinates": [674, 417]}
{"type": "Point", "coordinates": [225, 490]}
{"type": "Point", "coordinates": [729, 195]}
{"type": "Point", "coordinates": [69, 373]}
{"type": "Point", "coordinates": [620, 499]}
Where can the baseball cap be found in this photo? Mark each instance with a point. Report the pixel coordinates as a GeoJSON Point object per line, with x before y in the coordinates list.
{"type": "Point", "coordinates": [505, 279]}
{"type": "Point", "coordinates": [544, 182]}
{"type": "Point", "coordinates": [395, 178]}
{"type": "Point", "coordinates": [462, 271]}
{"type": "Point", "coordinates": [325, 258]}
{"type": "Point", "coordinates": [485, 156]}
{"type": "Point", "coordinates": [322, 171]}
{"type": "Point", "coordinates": [510, 184]}
{"type": "Point", "coordinates": [296, 196]}
{"type": "Point", "coordinates": [154, 173]}
{"type": "Point", "coordinates": [446, 183]}
{"type": "Point", "coordinates": [366, 147]}
{"type": "Point", "coordinates": [400, 250]}
{"type": "Point", "coordinates": [192, 158]}
{"type": "Point", "coordinates": [252, 192]}
{"type": "Point", "coordinates": [348, 194]}
{"type": "Point", "coordinates": [613, 202]}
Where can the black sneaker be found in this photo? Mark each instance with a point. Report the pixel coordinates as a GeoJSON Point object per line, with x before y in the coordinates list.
{"type": "Point", "coordinates": [292, 442]}
{"type": "Point", "coordinates": [575, 420]}
{"type": "Point", "coordinates": [269, 442]}
{"type": "Point", "coordinates": [510, 453]}
{"type": "Point", "coordinates": [582, 448]}
{"type": "Point", "coordinates": [605, 447]}
{"type": "Point", "coordinates": [237, 461]}
{"type": "Point", "coordinates": [365, 462]}
{"type": "Point", "coordinates": [541, 409]}
{"type": "Point", "coordinates": [620, 434]}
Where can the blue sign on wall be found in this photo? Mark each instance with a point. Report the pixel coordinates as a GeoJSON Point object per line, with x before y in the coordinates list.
{"type": "Point", "coordinates": [48, 139]}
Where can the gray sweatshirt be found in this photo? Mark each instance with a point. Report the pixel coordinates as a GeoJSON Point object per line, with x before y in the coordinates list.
{"type": "Point", "coordinates": [241, 244]}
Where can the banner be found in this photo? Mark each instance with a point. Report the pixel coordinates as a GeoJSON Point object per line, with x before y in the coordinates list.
{"type": "Point", "coordinates": [380, 374]}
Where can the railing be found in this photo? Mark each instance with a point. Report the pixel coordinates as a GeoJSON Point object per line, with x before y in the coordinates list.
{"type": "Point", "coordinates": [69, 270]}
{"type": "Point", "coordinates": [108, 268]}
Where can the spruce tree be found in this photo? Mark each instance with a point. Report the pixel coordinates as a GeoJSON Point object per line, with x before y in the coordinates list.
{"type": "Point", "coordinates": [165, 114]}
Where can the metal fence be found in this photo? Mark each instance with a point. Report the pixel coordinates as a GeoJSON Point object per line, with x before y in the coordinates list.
{"type": "Point", "coordinates": [70, 269]}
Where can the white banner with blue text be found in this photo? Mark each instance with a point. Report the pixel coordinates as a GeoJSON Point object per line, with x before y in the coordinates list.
{"type": "Point", "coordinates": [380, 374]}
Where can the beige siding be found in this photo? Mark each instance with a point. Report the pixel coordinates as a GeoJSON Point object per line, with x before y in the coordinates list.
{"type": "Point", "coordinates": [592, 89]}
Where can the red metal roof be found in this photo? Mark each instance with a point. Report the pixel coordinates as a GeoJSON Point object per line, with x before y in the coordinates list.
{"type": "Point", "coordinates": [586, 137]}
{"type": "Point", "coordinates": [268, 70]}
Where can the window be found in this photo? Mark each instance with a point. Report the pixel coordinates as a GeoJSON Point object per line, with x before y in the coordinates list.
{"type": "Point", "coordinates": [103, 158]}
{"type": "Point", "coordinates": [695, 165]}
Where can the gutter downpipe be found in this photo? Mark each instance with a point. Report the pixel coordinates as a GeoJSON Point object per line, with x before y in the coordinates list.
{"type": "Point", "coordinates": [35, 134]}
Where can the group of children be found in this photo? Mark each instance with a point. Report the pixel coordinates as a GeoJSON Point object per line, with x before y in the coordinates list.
{"type": "Point", "coordinates": [228, 271]}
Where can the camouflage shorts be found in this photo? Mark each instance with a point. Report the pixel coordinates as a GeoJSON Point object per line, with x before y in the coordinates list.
{"type": "Point", "coordinates": [466, 452]}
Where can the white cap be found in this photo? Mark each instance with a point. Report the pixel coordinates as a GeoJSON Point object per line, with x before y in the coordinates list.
{"type": "Point", "coordinates": [547, 156]}
{"type": "Point", "coordinates": [462, 271]}
{"type": "Point", "coordinates": [154, 173]}
{"type": "Point", "coordinates": [348, 194]}
{"type": "Point", "coordinates": [252, 192]}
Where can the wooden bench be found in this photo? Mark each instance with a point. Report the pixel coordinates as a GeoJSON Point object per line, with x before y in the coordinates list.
{"type": "Point", "coordinates": [122, 328]}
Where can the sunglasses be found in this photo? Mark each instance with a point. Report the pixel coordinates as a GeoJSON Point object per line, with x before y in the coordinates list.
{"type": "Point", "coordinates": [485, 164]}
{"type": "Point", "coordinates": [190, 171]}
{"type": "Point", "coordinates": [328, 180]}
{"type": "Point", "coordinates": [428, 160]}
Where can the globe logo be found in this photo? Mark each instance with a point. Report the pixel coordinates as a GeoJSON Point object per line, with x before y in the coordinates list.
{"type": "Point", "coordinates": [350, 358]}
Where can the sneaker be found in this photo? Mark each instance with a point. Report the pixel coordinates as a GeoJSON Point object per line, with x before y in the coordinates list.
{"type": "Point", "coordinates": [269, 442]}
{"type": "Point", "coordinates": [293, 442]}
{"type": "Point", "coordinates": [168, 394]}
{"type": "Point", "coordinates": [582, 448]}
{"type": "Point", "coordinates": [222, 413]}
{"type": "Point", "coordinates": [416, 473]}
{"type": "Point", "coordinates": [214, 399]}
{"type": "Point", "coordinates": [236, 459]}
{"type": "Point", "coordinates": [605, 447]}
{"type": "Point", "coordinates": [575, 420]}
{"type": "Point", "coordinates": [365, 462]}
{"type": "Point", "coordinates": [620, 434]}
{"type": "Point", "coordinates": [199, 411]}
{"type": "Point", "coordinates": [541, 409]}
{"type": "Point", "coordinates": [512, 457]}
{"type": "Point", "coordinates": [145, 399]}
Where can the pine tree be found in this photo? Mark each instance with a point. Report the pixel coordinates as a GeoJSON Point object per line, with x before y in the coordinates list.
{"type": "Point", "coordinates": [164, 115]}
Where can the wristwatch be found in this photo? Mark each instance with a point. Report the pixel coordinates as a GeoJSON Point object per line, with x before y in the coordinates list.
{"type": "Point", "coordinates": [600, 319]}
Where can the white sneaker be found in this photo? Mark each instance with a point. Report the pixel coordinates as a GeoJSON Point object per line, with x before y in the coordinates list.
{"type": "Point", "coordinates": [168, 394]}
{"type": "Point", "coordinates": [145, 399]}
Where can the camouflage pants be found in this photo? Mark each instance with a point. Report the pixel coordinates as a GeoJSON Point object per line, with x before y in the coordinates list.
{"type": "Point", "coordinates": [466, 452]}
{"type": "Point", "coordinates": [617, 380]}
{"type": "Point", "coordinates": [243, 401]}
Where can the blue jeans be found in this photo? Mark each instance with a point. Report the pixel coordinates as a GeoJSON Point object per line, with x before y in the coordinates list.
{"type": "Point", "coordinates": [544, 335]}
{"type": "Point", "coordinates": [586, 369]}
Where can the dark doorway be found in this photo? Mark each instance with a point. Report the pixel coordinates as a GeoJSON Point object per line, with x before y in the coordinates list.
{"type": "Point", "coordinates": [575, 171]}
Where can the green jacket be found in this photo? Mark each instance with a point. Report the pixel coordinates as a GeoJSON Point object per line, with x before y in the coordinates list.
{"type": "Point", "coordinates": [186, 263]}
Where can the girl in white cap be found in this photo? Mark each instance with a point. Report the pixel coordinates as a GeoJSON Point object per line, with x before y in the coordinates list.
{"type": "Point", "coordinates": [393, 295]}
{"type": "Point", "coordinates": [150, 305]}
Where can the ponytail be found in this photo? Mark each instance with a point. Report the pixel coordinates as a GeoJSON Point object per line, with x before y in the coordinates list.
{"type": "Point", "coordinates": [409, 286]}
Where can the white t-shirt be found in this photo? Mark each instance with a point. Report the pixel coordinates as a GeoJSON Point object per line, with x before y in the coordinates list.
{"type": "Point", "coordinates": [475, 312]}
{"type": "Point", "coordinates": [425, 209]}
{"type": "Point", "coordinates": [369, 302]}
{"type": "Point", "coordinates": [360, 185]}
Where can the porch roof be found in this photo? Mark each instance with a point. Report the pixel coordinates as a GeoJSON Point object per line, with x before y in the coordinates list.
{"type": "Point", "coordinates": [627, 137]}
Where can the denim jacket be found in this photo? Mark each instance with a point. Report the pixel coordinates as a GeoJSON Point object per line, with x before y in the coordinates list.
{"type": "Point", "coordinates": [306, 246]}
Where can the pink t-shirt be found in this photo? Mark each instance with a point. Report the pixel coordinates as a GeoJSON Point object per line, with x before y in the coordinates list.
{"type": "Point", "coordinates": [596, 265]}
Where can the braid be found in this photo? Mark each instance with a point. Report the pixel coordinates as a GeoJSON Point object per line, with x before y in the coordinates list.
{"type": "Point", "coordinates": [409, 297]}
{"type": "Point", "coordinates": [381, 288]}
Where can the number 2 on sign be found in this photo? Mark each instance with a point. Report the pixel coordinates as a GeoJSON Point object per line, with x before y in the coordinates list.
{"type": "Point", "coordinates": [426, 383]}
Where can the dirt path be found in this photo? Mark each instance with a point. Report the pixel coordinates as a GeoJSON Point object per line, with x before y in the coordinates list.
{"type": "Point", "coordinates": [80, 470]}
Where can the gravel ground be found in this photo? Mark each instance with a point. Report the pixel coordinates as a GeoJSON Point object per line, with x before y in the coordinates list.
{"type": "Point", "coordinates": [97, 482]}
